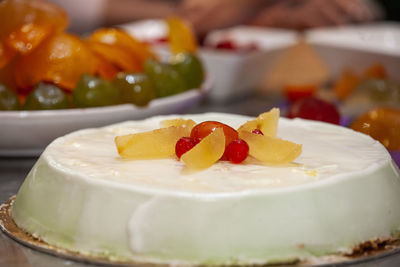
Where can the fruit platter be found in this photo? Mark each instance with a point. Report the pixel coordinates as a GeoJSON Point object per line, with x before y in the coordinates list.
{"type": "Point", "coordinates": [54, 80]}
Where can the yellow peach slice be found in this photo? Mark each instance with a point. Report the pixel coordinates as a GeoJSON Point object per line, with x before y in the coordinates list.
{"type": "Point", "coordinates": [155, 144]}
{"type": "Point", "coordinates": [207, 152]}
{"type": "Point", "coordinates": [271, 150]}
{"type": "Point", "coordinates": [189, 124]}
{"type": "Point", "coordinates": [267, 122]}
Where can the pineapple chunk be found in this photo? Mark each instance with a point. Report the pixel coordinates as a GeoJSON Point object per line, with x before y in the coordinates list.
{"type": "Point", "coordinates": [155, 144]}
{"type": "Point", "coordinates": [271, 150]}
{"type": "Point", "coordinates": [207, 152]}
{"type": "Point", "coordinates": [267, 122]}
{"type": "Point", "coordinates": [189, 124]}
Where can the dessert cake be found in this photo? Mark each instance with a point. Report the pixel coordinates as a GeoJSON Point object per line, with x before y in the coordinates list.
{"type": "Point", "coordinates": [341, 191]}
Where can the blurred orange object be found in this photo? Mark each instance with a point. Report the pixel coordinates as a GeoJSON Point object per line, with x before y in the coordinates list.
{"type": "Point", "coordinates": [104, 68]}
{"type": "Point", "coordinates": [119, 56]}
{"type": "Point", "coordinates": [377, 71]}
{"type": "Point", "coordinates": [382, 124]}
{"type": "Point", "coordinates": [26, 23]}
{"type": "Point", "coordinates": [61, 59]}
{"type": "Point", "coordinates": [181, 36]}
{"type": "Point", "coordinates": [28, 37]}
{"type": "Point", "coordinates": [346, 84]}
{"type": "Point", "coordinates": [295, 92]}
{"type": "Point", "coordinates": [111, 36]}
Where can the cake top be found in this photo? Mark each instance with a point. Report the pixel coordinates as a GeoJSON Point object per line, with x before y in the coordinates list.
{"type": "Point", "coordinates": [329, 153]}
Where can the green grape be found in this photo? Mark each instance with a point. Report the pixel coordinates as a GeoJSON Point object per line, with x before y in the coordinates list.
{"type": "Point", "coordinates": [91, 91]}
{"type": "Point", "coordinates": [190, 68]}
{"type": "Point", "coordinates": [134, 88]}
{"type": "Point", "coordinates": [46, 96]}
{"type": "Point", "coordinates": [165, 78]}
{"type": "Point", "coordinates": [381, 90]}
{"type": "Point", "coordinates": [8, 100]}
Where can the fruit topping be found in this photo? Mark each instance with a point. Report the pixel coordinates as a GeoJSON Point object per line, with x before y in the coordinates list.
{"type": "Point", "coordinates": [203, 129]}
{"type": "Point", "coordinates": [266, 122]}
{"type": "Point", "coordinates": [208, 151]}
{"type": "Point", "coordinates": [158, 143]}
{"type": "Point", "coordinates": [346, 84]}
{"type": "Point", "coordinates": [271, 150]}
{"type": "Point", "coordinates": [237, 151]}
{"type": "Point", "coordinates": [211, 141]}
{"type": "Point", "coordinates": [190, 68]}
{"type": "Point", "coordinates": [296, 92]}
{"type": "Point", "coordinates": [184, 145]}
{"type": "Point", "coordinates": [314, 109]}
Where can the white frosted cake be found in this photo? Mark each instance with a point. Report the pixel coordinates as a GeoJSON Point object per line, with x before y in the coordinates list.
{"type": "Point", "coordinates": [343, 190]}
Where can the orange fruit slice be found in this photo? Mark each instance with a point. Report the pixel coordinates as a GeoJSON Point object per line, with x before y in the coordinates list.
{"type": "Point", "coordinates": [346, 84]}
{"type": "Point", "coordinates": [181, 36]}
{"type": "Point", "coordinates": [155, 144]}
{"type": "Point", "coordinates": [376, 71]}
{"type": "Point", "coordinates": [61, 59]}
{"type": "Point", "coordinates": [208, 151]}
{"type": "Point", "coordinates": [141, 51]}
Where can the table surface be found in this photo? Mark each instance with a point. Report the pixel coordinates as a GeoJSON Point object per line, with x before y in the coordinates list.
{"type": "Point", "coordinates": [14, 170]}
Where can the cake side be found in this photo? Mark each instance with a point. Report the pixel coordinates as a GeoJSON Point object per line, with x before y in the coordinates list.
{"type": "Point", "coordinates": [333, 210]}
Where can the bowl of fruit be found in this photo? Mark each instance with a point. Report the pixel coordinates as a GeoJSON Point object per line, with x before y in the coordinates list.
{"type": "Point", "coordinates": [53, 82]}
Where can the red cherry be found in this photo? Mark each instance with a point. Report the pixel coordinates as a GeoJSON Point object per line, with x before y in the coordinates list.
{"type": "Point", "coordinates": [312, 108]}
{"type": "Point", "coordinates": [184, 145]}
{"type": "Point", "coordinates": [237, 151]}
{"type": "Point", "coordinates": [226, 44]}
{"type": "Point", "coordinates": [257, 131]}
{"type": "Point", "coordinates": [203, 129]}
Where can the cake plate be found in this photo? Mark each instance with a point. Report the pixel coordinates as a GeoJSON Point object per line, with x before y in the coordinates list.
{"type": "Point", "coordinates": [372, 252]}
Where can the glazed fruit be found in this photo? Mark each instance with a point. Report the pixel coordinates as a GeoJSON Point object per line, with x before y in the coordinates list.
{"type": "Point", "coordinates": [134, 88]}
{"type": "Point", "coordinates": [266, 122]}
{"type": "Point", "coordinates": [237, 151]}
{"type": "Point", "coordinates": [205, 128]}
{"type": "Point", "coordinates": [165, 78]}
{"type": "Point", "coordinates": [155, 144]}
{"type": "Point", "coordinates": [382, 124]}
{"type": "Point", "coordinates": [46, 96]}
{"type": "Point", "coordinates": [208, 151]}
{"type": "Point", "coordinates": [181, 36]}
{"type": "Point", "coordinates": [91, 91]}
{"type": "Point", "coordinates": [8, 100]}
{"type": "Point", "coordinates": [184, 145]}
{"type": "Point", "coordinates": [296, 92]}
{"type": "Point", "coordinates": [190, 68]}
{"type": "Point", "coordinates": [314, 109]}
{"type": "Point", "coordinates": [271, 150]}
{"type": "Point", "coordinates": [346, 84]}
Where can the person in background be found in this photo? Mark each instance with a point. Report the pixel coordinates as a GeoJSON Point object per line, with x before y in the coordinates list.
{"type": "Point", "coordinates": [207, 15]}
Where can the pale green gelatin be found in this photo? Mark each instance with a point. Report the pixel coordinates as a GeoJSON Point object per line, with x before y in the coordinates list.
{"type": "Point", "coordinates": [67, 202]}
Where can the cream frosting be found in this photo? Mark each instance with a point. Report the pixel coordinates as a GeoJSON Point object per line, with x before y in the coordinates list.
{"type": "Point", "coordinates": [81, 195]}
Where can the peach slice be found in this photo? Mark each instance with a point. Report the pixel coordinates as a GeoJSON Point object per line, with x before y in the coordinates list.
{"type": "Point", "coordinates": [207, 152]}
{"type": "Point", "coordinates": [189, 124]}
{"type": "Point", "coordinates": [154, 144]}
{"type": "Point", "coordinates": [271, 150]}
{"type": "Point", "coordinates": [267, 122]}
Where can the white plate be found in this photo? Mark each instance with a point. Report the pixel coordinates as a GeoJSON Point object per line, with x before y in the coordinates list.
{"type": "Point", "coordinates": [27, 133]}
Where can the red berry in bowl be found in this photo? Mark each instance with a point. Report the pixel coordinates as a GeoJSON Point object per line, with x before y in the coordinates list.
{"type": "Point", "coordinates": [184, 145]}
{"type": "Point", "coordinates": [237, 151]}
{"type": "Point", "coordinates": [312, 108]}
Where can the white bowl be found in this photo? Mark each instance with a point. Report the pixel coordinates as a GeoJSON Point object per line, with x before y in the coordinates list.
{"type": "Point", "coordinates": [359, 46]}
{"type": "Point", "coordinates": [27, 133]}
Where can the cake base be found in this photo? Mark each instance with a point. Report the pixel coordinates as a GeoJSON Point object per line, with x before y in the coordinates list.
{"type": "Point", "coordinates": [369, 251]}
